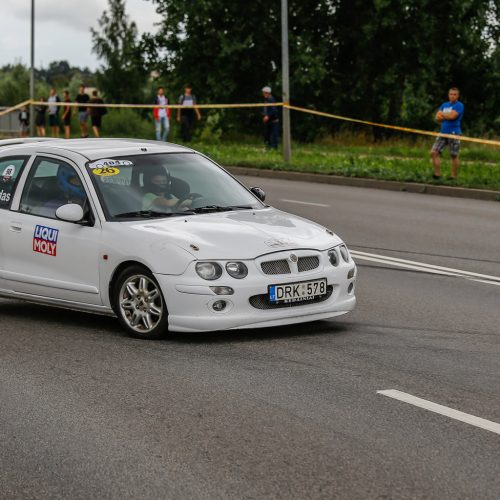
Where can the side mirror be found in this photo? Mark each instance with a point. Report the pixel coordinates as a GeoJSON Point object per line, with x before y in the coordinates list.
{"type": "Point", "coordinates": [257, 191]}
{"type": "Point", "coordinates": [72, 212]}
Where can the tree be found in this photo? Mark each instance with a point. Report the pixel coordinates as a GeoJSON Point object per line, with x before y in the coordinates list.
{"type": "Point", "coordinates": [116, 41]}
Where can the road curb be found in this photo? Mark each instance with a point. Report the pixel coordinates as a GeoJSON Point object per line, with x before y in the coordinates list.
{"type": "Point", "coordinates": [410, 187]}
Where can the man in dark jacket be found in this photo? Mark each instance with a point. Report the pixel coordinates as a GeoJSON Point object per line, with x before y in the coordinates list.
{"type": "Point", "coordinates": [270, 119]}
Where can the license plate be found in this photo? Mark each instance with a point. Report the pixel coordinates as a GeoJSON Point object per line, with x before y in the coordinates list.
{"type": "Point", "coordinates": [297, 292]}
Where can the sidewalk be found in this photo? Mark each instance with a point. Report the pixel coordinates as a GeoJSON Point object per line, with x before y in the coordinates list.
{"type": "Point", "coordinates": [411, 187]}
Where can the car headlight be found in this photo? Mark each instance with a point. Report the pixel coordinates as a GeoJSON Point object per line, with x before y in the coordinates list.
{"type": "Point", "coordinates": [237, 270]}
{"type": "Point", "coordinates": [344, 252]}
{"type": "Point", "coordinates": [208, 270]}
{"type": "Point", "coordinates": [333, 257]}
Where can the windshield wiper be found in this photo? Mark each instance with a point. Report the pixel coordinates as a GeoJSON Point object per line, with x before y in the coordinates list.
{"type": "Point", "coordinates": [146, 214]}
{"type": "Point", "coordinates": [218, 208]}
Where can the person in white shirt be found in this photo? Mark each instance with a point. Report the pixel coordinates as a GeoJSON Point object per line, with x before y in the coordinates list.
{"type": "Point", "coordinates": [161, 115]}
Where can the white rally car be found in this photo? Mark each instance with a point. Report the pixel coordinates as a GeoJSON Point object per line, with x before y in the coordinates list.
{"type": "Point", "coordinates": [162, 237]}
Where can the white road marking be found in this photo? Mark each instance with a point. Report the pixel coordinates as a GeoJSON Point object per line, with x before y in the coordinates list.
{"type": "Point", "coordinates": [306, 203]}
{"type": "Point", "coordinates": [443, 410]}
{"type": "Point", "coordinates": [427, 268]}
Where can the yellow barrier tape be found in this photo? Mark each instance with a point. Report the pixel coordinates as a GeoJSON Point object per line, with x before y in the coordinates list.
{"type": "Point", "coordinates": [13, 108]}
{"type": "Point", "coordinates": [257, 105]}
{"type": "Point", "coordinates": [152, 106]}
{"type": "Point", "coordinates": [394, 127]}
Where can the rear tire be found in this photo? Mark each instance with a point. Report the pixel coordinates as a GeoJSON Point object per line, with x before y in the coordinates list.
{"type": "Point", "coordinates": [139, 303]}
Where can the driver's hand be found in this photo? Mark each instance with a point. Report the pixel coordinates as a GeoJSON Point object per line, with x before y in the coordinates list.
{"type": "Point", "coordinates": [186, 203]}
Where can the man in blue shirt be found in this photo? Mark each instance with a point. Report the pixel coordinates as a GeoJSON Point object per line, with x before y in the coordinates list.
{"type": "Point", "coordinates": [450, 116]}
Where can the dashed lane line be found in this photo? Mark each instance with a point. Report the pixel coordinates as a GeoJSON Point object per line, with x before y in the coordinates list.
{"type": "Point", "coordinates": [482, 423]}
{"type": "Point", "coordinates": [306, 203]}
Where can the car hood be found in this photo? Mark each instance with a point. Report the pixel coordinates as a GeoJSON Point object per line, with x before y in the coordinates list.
{"type": "Point", "coordinates": [242, 234]}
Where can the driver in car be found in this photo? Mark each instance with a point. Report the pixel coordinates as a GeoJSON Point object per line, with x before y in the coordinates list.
{"type": "Point", "coordinates": [157, 189]}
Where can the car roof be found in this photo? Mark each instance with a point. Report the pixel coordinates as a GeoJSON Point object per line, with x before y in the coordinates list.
{"type": "Point", "coordinates": [95, 149]}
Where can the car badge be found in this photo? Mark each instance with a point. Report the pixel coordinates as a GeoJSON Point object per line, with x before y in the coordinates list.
{"type": "Point", "coordinates": [293, 258]}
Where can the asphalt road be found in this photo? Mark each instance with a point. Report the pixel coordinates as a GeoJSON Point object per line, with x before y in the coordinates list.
{"type": "Point", "coordinates": [86, 412]}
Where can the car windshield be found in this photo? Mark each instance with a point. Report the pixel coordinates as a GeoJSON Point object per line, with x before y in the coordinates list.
{"type": "Point", "coordinates": [163, 185]}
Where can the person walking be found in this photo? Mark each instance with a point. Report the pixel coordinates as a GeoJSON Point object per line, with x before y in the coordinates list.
{"type": "Point", "coordinates": [270, 119]}
{"type": "Point", "coordinates": [450, 116]}
{"type": "Point", "coordinates": [96, 113]}
{"type": "Point", "coordinates": [40, 111]}
{"type": "Point", "coordinates": [186, 115]}
{"type": "Point", "coordinates": [66, 116]}
{"type": "Point", "coordinates": [83, 115]}
{"type": "Point", "coordinates": [161, 115]}
{"type": "Point", "coordinates": [24, 121]}
{"type": "Point", "coordinates": [54, 112]}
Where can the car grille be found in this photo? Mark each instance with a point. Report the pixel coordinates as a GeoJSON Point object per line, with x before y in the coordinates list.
{"type": "Point", "coordinates": [262, 301]}
{"type": "Point", "coordinates": [307, 263]}
{"type": "Point", "coordinates": [275, 267]}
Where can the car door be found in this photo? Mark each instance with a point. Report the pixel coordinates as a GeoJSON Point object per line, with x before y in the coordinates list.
{"type": "Point", "coordinates": [11, 168]}
{"type": "Point", "coordinates": [45, 256]}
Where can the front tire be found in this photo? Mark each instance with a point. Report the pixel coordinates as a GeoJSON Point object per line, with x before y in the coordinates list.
{"type": "Point", "coordinates": [139, 303]}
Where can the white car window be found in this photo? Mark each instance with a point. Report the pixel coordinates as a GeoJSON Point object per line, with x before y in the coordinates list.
{"type": "Point", "coordinates": [10, 168]}
{"type": "Point", "coordinates": [51, 184]}
{"type": "Point", "coordinates": [165, 184]}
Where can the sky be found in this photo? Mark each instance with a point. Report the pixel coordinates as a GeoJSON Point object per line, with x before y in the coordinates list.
{"type": "Point", "coordinates": [62, 29]}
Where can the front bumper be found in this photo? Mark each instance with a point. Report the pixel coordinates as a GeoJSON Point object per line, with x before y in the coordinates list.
{"type": "Point", "coordinates": [190, 299]}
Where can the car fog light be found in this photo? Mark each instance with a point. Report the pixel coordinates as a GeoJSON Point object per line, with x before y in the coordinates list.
{"type": "Point", "coordinates": [237, 270]}
{"type": "Point", "coordinates": [219, 305]}
{"type": "Point", "coordinates": [208, 270]}
{"type": "Point", "coordinates": [351, 273]}
{"type": "Point", "coordinates": [334, 258]}
{"type": "Point", "coordinates": [344, 252]}
{"type": "Point", "coordinates": [350, 288]}
{"type": "Point", "coordinates": [222, 290]}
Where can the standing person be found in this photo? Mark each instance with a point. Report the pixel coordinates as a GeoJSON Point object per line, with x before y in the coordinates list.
{"type": "Point", "coordinates": [66, 116]}
{"type": "Point", "coordinates": [96, 113]}
{"type": "Point", "coordinates": [83, 98]}
{"type": "Point", "coordinates": [450, 116]}
{"type": "Point", "coordinates": [161, 115]}
{"type": "Point", "coordinates": [24, 121]}
{"type": "Point", "coordinates": [54, 112]}
{"type": "Point", "coordinates": [270, 119]}
{"type": "Point", "coordinates": [40, 110]}
{"type": "Point", "coordinates": [187, 114]}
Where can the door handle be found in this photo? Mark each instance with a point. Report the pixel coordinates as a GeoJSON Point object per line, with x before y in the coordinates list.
{"type": "Point", "coordinates": [16, 227]}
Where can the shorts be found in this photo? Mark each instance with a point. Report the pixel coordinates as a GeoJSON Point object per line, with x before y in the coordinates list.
{"type": "Point", "coordinates": [54, 120]}
{"type": "Point", "coordinates": [441, 142]}
{"type": "Point", "coordinates": [40, 121]}
{"type": "Point", "coordinates": [96, 121]}
{"type": "Point", "coordinates": [67, 120]}
{"type": "Point", "coordinates": [83, 116]}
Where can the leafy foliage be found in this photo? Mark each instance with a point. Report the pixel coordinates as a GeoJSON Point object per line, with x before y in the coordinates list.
{"type": "Point", "coordinates": [116, 41]}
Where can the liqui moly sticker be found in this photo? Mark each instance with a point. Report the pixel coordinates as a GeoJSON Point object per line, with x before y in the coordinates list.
{"type": "Point", "coordinates": [45, 240]}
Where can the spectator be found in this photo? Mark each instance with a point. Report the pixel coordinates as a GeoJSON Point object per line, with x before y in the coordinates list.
{"type": "Point", "coordinates": [83, 116]}
{"type": "Point", "coordinates": [96, 113]}
{"type": "Point", "coordinates": [450, 116]}
{"type": "Point", "coordinates": [24, 122]}
{"type": "Point", "coordinates": [40, 110]}
{"type": "Point", "coordinates": [66, 116]}
{"type": "Point", "coordinates": [161, 115]}
{"type": "Point", "coordinates": [54, 112]}
{"type": "Point", "coordinates": [270, 120]}
{"type": "Point", "coordinates": [187, 114]}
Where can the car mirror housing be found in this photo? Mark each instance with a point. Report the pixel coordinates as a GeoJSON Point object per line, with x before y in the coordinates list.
{"type": "Point", "coordinates": [72, 212]}
{"type": "Point", "coordinates": [260, 193]}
